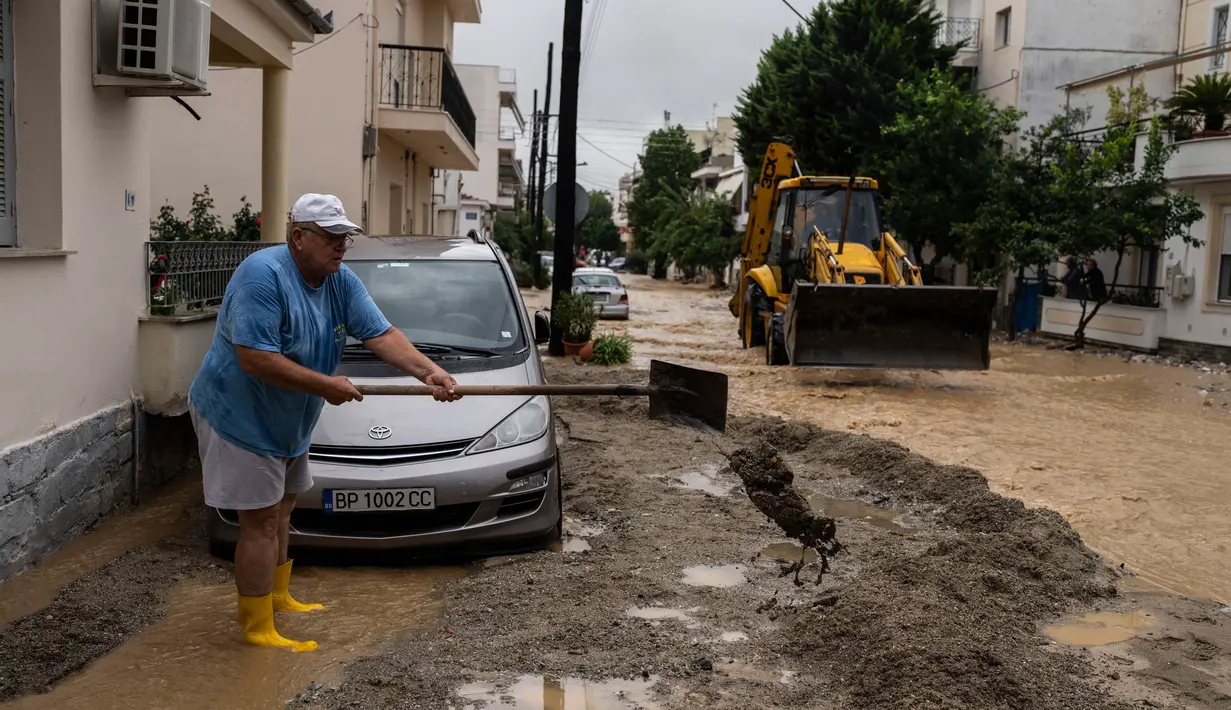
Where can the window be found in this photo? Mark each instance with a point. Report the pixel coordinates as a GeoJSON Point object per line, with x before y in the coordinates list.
{"type": "Point", "coordinates": [8, 163]}
{"type": "Point", "coordinates": [1004, 27]}
{"type": "Point", "coordinates": [472, 216]}
{"type": "Point", "coordinates": [462, 304]}
{"type": "Point", "coordinates": [1224, 259]}
{"type": "Point", "coordinates": [1218, 36]}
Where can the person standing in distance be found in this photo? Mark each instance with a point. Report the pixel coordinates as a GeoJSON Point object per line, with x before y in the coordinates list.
{"type": "Point", "coordinates": [281, 330]}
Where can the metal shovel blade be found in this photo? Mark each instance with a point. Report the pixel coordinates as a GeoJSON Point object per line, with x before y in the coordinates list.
{"type": "Point", "coordinates": [689, 396]}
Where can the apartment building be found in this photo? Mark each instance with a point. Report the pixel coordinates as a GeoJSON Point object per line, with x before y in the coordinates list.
{"type": "Point", "coordinates": [374, 114]}
{"type": "Point", "coordinates": [1191, 284]}
{"type": "Point", "coordinates": [77, 146]}
{"type": "Point", "coordinates": [472, 199]}
{"type": "Point", "coordinates": [1028, 49]}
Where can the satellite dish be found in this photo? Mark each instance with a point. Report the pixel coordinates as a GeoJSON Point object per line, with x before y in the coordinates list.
{"type": "Point", "coordinates": [581, 208]}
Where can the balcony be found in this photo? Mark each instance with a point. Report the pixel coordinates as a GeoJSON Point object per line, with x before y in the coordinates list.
{"type": "Point", "coordinates": [423, 107]}
{"type": "Point", "coordinates": [1195, 161]}
{"type": "Point", "coordinates": [509, 195]}
{"type": "Point", "coordinates": [961, 30]}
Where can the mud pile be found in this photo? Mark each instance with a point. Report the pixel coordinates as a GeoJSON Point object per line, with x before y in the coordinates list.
{"type": "Point", "coordinates": [955, 625]}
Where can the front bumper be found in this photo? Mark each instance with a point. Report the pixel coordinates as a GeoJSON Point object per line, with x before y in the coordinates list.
{"type": "Point", "coordinates": [474, 506]}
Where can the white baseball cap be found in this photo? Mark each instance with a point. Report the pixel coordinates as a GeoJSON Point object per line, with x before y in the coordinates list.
{"type": "Point", "coordinates": [325, 211]}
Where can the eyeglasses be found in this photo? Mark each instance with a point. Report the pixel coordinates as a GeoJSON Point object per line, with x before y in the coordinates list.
{"type": "Point", "coordinates": [334, 240]}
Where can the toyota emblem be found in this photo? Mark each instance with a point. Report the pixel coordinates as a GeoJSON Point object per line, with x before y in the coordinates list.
{"type": "Point", "coordinates": [380, 432]}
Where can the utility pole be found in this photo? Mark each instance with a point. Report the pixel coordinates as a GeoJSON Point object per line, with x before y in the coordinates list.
{"type": "Point", "coordinates": [566, 149]}
{"type": "Point", "coordinates": [534, 156]}
{"type": "Point", "coordinates": [542, 186]}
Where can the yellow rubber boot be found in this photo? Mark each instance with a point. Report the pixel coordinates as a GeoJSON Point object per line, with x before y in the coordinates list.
{"type": "Point", "coordinates": [256, 615]}
{"type": "Point", "coordinates": [282, 592]}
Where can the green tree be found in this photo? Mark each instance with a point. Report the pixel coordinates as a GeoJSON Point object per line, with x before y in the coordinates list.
{"type": "Point", "coordinates": [832, 84]}
{"type": "Point", "coordinates": [667, 165]}
{"type": "Point", "coordinates": [700, 234]}
{"type": "Point", "coordinates": [599, 231]}
{"type": "Point", "coordinates": [939, 159]}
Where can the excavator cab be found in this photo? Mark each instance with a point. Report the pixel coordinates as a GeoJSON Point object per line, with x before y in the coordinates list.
{"type": "Point", "coordinates": [831, 286]}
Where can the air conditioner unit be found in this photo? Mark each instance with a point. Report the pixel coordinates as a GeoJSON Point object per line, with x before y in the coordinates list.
{"type": "Point", "coordinates": [165, 40]}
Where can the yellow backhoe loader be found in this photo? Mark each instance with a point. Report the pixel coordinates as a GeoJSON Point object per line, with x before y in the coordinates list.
{"type": "Point", "coordinates": [823, 283]}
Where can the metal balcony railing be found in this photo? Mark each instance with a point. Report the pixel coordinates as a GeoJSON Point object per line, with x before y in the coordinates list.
{"type": "Point", "coordinates": [188, 277]}
{"type": "Point", "coordinates": [508, 133]}
{"type": "Point", "coordinates": [423, 78]}
{"type": "Point", "coordinates": [509, 190]}
{"type": "Point", "coordinates": [955, 30]}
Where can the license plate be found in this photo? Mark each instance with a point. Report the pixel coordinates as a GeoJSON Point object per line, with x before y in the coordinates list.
{"type": "Point", "coordinates": [369, 499]}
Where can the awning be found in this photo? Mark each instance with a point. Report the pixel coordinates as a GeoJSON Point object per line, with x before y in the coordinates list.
{"type": "Point", "coordinates": [731, 184]}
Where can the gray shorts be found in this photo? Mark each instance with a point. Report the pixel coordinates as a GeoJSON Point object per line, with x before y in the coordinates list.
{"type": "Point", "coordinates": [236, 479]}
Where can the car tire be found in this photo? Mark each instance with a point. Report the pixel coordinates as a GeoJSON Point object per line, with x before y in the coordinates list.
{"type": "Point", "coordinates": [752, 333]}
{"type": "Point", "coordinates": [775, 341]}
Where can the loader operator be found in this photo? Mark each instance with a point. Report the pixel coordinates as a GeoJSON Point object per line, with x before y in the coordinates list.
{"type": "Point", "coordinates": [281, 329]}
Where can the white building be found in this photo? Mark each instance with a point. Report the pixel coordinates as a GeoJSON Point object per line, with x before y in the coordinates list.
{"type": "Point", "coordinates": [1192, 284]}
{"type": "Point", "coordinates": [472, 199]}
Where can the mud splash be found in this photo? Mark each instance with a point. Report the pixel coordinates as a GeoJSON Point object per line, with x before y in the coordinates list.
{"type": "Point", "coordinates": [768, 482]}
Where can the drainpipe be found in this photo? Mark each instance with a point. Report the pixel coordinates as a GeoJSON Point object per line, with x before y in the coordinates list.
{"type": "Point", "coordinates": [275, 100]}
{"type": "Point", "coordinates": [136, 455]}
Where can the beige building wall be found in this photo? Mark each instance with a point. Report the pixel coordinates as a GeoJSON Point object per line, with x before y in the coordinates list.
{"type": "Point", "coordinates": [71, 318]}
{"type": "Point", "coordinates": [334, 90]}
{"type": "Point", "coordinates": [1000, 64]}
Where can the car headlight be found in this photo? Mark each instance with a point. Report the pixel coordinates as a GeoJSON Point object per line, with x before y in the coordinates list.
{"type": "Point", "coordinates": [528, 423]}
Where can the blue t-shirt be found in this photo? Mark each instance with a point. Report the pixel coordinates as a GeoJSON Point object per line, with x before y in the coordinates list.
{"type": "Point", "coordinates": [268, 306]}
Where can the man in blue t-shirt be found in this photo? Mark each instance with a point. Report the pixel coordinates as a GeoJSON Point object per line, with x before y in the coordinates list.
{"type": "Point", "coordinates": [280, 333]}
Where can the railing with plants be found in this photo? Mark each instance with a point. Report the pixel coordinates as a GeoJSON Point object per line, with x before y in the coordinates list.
{"type": "Point", "coordinates": [190, 261]}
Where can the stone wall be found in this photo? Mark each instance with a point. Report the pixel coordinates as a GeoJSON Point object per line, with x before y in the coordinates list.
{"type": "Point", "coordinates": [55, 487]}
{"type": "Point", "coordinates": [1194, 351]}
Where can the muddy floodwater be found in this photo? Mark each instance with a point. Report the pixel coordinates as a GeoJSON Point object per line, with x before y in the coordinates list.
{"type": "Point", "coordinates": [1133, 454]}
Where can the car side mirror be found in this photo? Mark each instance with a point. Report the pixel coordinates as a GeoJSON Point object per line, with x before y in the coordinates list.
{"type": "Point", "coordinates": [542, 327]}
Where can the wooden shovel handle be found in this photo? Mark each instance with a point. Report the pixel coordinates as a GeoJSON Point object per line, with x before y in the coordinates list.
{"type": "Point", "coordinates": [514, 390]}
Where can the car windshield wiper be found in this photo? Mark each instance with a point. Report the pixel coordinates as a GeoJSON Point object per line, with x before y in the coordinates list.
{"type": "Point", "coordinates": [439, 348]}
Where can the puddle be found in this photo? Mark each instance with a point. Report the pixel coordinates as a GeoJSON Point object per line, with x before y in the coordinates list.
{"type": "Point", "coordinates": [186, 658]}
{"type": "Point", "coordinates": [571, 544]}
{"type": "Point", "coordinates": [533, 692]}
{"type": "Point", "coordinates": [851, 509]}
{"type": "Point", "coordinates": [789, 552]}
{"type": "Point", "coordinates": [732, 636]}
{"type": "Point", "coordinates": [714, 575]}
{"type": "Point", "coordinates": [1100, 628]}
{"type": "Point", "coordinates": [161, 515]}
{"type": "Point", "coordinates": [702, 480]}
{"type": "Point", "coordinates": [742, 670]}
{"type": "Point", "coordinates": [658, 613]}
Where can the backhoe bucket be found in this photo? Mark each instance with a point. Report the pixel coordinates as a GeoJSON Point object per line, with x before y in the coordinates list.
{"type": "Point", "coordinates": [889, 327]}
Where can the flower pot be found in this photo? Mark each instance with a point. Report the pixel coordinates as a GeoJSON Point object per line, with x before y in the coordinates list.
{"type": "Point", "coordinates": [587, 351]}
{"type": "Point", "coordinates": [573, 348]}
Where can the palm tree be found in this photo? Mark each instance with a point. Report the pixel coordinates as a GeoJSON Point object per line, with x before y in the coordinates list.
{"type": "Point", "coordinates": [1207, 96]}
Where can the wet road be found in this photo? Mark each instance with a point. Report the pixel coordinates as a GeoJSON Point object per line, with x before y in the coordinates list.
{"type": "Point", "coordinates": [1133, 454]}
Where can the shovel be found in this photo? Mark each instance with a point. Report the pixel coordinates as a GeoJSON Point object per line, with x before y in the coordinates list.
{"type": "Point", "coordinates": [686, 395]}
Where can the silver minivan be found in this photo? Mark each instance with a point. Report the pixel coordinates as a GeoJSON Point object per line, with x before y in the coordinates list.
{"type": "Point", "coordinates": [411, 473]}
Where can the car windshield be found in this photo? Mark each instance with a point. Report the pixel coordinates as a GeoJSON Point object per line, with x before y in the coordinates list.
{"type": "Point", "coordinates": [596, 280]}
{"type": "Point", "coordinates": [446, 304]}
{"type": "Point", "coordinates": [817, 209]}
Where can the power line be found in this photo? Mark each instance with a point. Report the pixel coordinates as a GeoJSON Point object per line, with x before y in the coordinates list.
{"type": "Point", "coordinates": [609, 155]}
{"type": "Point", "coordinates": [788, 4]}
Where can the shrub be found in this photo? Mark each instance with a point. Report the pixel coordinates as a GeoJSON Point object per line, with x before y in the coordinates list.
{"type": "Point", "coordinates": [636, 262]}
{"type": "Point", "coordinates": [523, 275]}
{"type": "Point", "coordinates": [202, 225]}
{"type": "Point", "coordinates": [611, 349]}
{"type": "Point", "coordinates": [575, 316]}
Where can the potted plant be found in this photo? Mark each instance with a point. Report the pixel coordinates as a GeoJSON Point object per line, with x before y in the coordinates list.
{"type": "Point", "coordinates": [1208, 97]}
{"type": "Point", "coordinates": [575, 317]}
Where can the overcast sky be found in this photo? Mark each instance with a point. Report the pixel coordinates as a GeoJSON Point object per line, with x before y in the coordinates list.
{"type": "Point", "coordinates": [640, 58]}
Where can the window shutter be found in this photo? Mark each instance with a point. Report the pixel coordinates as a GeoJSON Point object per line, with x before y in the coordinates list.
{"type": "Point", "coordinates": [8, 162]}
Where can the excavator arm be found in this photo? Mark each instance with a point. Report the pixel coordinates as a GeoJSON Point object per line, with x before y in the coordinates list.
{"type": "Point", "coordinates": [778, 165]}
{"type": "Point", "coordinates": [898, 269]}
